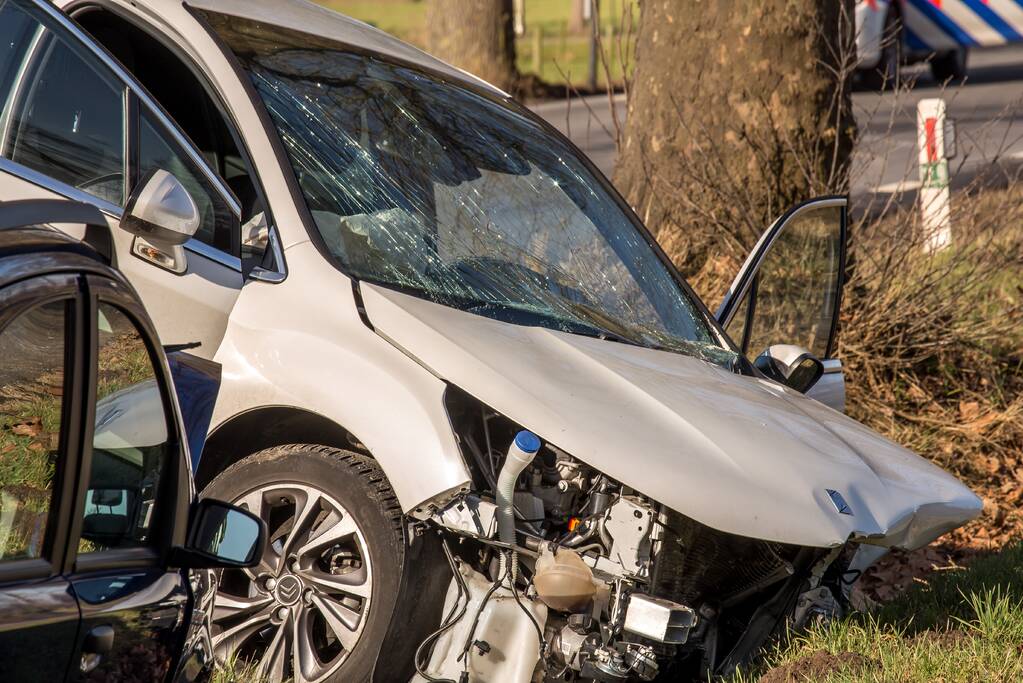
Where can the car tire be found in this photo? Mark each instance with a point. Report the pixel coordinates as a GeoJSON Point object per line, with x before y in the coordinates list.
{"type": "Point", "coordinates": [886, 74]}
{"type": "Point", "coordinates": [338, 570]}
{"type": "Point", "coordinates": [949, 67]}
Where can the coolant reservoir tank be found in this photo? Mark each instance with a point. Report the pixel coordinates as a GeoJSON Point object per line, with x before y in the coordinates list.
{"type": "Point", "coordinates": [563, 581]}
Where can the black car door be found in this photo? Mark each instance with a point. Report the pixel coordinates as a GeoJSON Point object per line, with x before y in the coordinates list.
{"type": "Point", "coordinates": [134, 497]}
{"type": "Point", "coordinates": [41, 375]}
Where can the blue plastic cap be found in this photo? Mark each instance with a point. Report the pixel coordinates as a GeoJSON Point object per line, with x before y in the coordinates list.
{"type": "Point", "coordinates": [527, 441]}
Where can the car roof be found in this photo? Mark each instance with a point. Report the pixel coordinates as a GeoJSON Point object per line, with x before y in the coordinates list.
{"type": "Point", "coordinates": [308, 17]}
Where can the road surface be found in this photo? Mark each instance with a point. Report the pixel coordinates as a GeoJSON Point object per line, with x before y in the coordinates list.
{"type": "Point", "coordinates": [988, 109]}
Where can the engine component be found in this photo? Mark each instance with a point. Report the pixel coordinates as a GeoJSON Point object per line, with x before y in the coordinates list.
{"type": "Point", "coordinates": [506, 647]}
{"type": "Point", "coordinates": [563, 581]}
{"type": "Point", "coordinates": [697, 564]}
{"type": "Point", "coordinates": [817, 604]}
{"type": "Point", "coordinates": [570, 644]}
{"type": "Point", "coordinates": [468, 514]}
{"type": "Point", "coordinates": [659, 619]}
{"type": "Point", "coordinates": [607, 665]}
{"type": "Point", "coordinates": [628, 524]}
{"type": "Point", "coordinates": [520, 454]}
{"type": "Point", "coordinates": [642, 661]}
{"type": "Point", "coordinates": [529, 506]}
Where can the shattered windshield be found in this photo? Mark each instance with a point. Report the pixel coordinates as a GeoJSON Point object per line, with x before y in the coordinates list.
{"type": "Point", "coordinates": [427, 187]}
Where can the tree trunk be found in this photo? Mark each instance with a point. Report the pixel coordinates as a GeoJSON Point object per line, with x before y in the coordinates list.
{"type": "Point", "coordinates": [737, 110]}
{"type": "Point", "coordinates": [475, 35]}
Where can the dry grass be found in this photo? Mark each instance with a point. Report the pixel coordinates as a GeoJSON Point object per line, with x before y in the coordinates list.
{"type": "Point", "coordinates": [933, 346]}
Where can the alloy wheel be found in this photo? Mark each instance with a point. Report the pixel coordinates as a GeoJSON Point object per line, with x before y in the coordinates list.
{"type": "Point", "coordinates": [300, 613]}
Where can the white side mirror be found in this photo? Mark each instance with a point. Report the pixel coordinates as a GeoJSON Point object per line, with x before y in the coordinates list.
{"type": "Point", "coordinates": [161, 210]}
{"type": "Point", "coordinates": [792, 365]}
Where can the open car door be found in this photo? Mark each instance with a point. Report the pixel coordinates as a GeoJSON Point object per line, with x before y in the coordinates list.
{"type": "Point", "coordinates": [782, 308]}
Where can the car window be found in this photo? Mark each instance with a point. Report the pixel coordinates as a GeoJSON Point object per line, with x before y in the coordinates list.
{"type": "Point", "coordinates": [171, 80]}
{"type": "Point", "coordinates": [157, 151]}
{"type": "Point", "coordinates": [32, 359]}
{"type": "Point", "coordinates": [798, 284]}
{"type": "Point", "coordinates": [63, 110]}
{"type": "Point", "coordinates": [130, 446]}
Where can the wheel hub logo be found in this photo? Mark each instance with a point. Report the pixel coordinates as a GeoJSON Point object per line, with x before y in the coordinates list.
{"type": "Point", "coordinates": [289, 588]}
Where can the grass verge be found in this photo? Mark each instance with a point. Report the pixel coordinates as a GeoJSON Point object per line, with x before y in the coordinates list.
{"type": "Point", "coordinates": [964, 624]}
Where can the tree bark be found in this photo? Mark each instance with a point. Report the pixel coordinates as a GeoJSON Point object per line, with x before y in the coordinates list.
{"type": "Point", "coordinates": [737, 110]}
{"type": "Point", "coordinates": [475, 35]}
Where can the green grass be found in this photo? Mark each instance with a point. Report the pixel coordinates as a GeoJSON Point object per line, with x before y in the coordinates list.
{"type": "Point", "coordinates": [235, 672]}
{"type": "Point", "coordinates": [962, 625]}
{"type": "Point", "coordinates": [561, 52]}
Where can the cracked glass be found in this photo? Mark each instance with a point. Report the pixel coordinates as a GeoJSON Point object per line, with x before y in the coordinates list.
{"type": "Point", "coordinates": [433, 189]}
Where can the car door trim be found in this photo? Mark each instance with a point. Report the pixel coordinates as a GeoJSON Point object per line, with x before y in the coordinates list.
{"type": "Point", "coordinates": [7, 115]}
{"type": "Point", "coordinates": [212, 253]}
{"type": "Point", "coordinates": [168, 529]}
{"type": "Point", "coordinates": [16, 299]}
{"type": "Point", "coordinates": [57, 187]}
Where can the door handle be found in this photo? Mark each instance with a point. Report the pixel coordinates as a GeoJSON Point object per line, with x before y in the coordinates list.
{"type": "Point", "coordinates": [98, 642]}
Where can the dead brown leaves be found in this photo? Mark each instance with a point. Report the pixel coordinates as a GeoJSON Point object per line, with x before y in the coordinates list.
{"type": "Point", "coordinates": [30, 427]}
{"type": "Point", "coordinates": [899, 570]}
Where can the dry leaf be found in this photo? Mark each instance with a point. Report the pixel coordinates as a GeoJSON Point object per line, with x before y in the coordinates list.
{"type": "Point", "coordinates": [980, 424]}
{"type": "Point", "coordinates": [969, 410]}
{"type": "Point", "coordinates": [30, 427]}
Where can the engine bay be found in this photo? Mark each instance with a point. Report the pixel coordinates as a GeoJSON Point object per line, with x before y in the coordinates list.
{"type": "Point", "coordinates": [561, 573]}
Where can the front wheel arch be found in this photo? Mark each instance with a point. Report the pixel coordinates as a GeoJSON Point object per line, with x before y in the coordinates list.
{"type": "Point", "coordinates": [266, 427]}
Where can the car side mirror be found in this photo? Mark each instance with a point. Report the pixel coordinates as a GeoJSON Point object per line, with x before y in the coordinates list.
{"type": "Point", "coordinates": [221, 535]}
{"type": "Point", "coordinates": [161, 210]}
{"type": "Point", "coordinates": [791, 365]}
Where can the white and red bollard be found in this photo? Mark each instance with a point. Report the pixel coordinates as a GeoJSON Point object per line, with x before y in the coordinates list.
{"type": "Point", "coordinates": [936, 139]}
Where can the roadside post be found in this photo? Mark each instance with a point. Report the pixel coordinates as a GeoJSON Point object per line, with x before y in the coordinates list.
{"type": "Point", "coordinates": [936, 141]}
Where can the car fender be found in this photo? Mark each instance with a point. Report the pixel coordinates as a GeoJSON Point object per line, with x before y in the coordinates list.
{"type": "Point", "coordinates": [302, 343]}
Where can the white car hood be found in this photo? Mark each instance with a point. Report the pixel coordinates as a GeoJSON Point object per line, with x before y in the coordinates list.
{"type": "Point", "coordinates": [738, 454]}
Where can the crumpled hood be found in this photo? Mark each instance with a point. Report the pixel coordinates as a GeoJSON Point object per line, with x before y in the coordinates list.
{"type": "Point", "coordinates": [739, 454]}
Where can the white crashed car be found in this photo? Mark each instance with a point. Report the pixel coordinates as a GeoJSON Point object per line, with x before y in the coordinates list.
{"type": "Point", "coordinates": [456, 367]}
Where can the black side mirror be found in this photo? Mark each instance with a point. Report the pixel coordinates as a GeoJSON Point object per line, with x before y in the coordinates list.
{"type": "Point", "coordinates": [791, 365]}
{"type": "Point", "coordinates": [221, 535]}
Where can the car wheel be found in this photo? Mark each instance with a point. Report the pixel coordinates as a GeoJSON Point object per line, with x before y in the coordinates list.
{"type": "Point", "coordinates": [319, 604]}
{"type": "Point", "coordinates": [887, 72]}
{"type": "Point", "coordinates": [949, 66]}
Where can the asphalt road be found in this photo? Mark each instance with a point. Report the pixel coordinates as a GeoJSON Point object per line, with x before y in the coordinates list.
{"type": "Point", "coordinates": [987, 107]}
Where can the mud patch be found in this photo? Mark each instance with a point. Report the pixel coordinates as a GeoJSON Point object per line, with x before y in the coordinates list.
{"type": "Point", "coordinates": [816, 666]}
{"type": "Point", "coordinates": [940, 639]}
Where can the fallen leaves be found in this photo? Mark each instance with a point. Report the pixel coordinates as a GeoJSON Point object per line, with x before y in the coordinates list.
{"type": "Point", "coordinates": [29, 427]}
{"type": "Point", "coordinates": [897, 571]}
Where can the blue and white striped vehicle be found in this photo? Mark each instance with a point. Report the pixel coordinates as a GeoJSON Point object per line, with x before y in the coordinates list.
{"type": "Point", "coordinates": [895, 32]}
